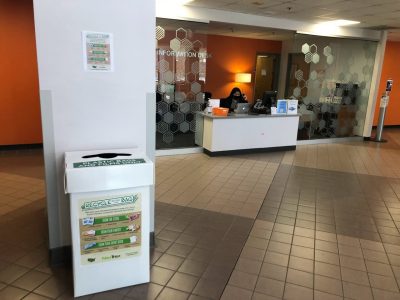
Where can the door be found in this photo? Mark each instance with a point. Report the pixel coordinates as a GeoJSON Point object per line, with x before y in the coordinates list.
{"type": "Point", "coordinates": [266, 75]}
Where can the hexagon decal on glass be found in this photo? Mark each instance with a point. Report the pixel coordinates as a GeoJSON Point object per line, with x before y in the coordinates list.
{"type": "Point", "coordinates": [315, 58]}
{"type": "Point", "coordinates": [168, 117]}
{"type": "Point", "coordinates": [190, 77]}
{"type": "Point", "coordinates": [184, 107]}
{"type": "Point", "coordinates": [173, 127]}
{"type": "Point", "coordinates": [313, 48]}
{"type": "Point", "coordinates": [298, 74]}
{"type": "Point", "coordinates": [327, 51]}
{"type": "Point", "coordinates": [175, 44]}
{"type": "Point", "coordinates": [195, 67]}
{"type": "Point", "coordinates": [200, 98]}
{"type": "Point", "coordinates": [186, 45]}
{"type": "Point", "coordinates": [168, 97]}
{"type": "Point", "coordinates": [308, 57]}
{"type": "Point", "coordinates": [305, 48]}
{"type": "Point", "coordinates": [168, 137]}
{"type": "Point", "coordinates": [174, 107]}
{"type": "Point", "coordinates": [195, 107]}
{"type": "Point", "coordinates": [184, 127]}
{"type": "Point", "coordinates": [168, 77]}
{"type": "Point", "coordinates": [181, 33]}
{"type": "Point", "coordinates": [180, 97]}
{"type": "Point", "coordinates": [197, 45]}
{"type": "Point", "coordinates": [192, 126]}
{"type": "Point", "coordinates": [179, 117]}
{"type": "Point", "coordinates": [162, 127]}
{"type": "Point", "coordinates": [297, 92]}
{"type": "Point", "coordinates": [329, 59]}
{"type": "Point", "coordinates": [162, 107]}
{"type": "Point", "coordinates": [163, 65]}
{"type": "Point", "coordinates": [313, 75]}
{"type": "Point", "coordinates": [195, 87]}
{"type": "Point", "coordinates": [189, 117]}
{"type": "Point", "coordinates": [160, 33]}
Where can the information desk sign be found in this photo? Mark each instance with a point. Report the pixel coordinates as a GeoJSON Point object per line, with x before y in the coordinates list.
{"type": "Point", "coordinates": [110, 218]}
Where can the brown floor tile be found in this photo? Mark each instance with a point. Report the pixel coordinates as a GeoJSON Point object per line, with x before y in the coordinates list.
{"type": "Point", "coordinates": [296, 292]}
{"type": "Point", "coordinates": [328, 285]}
{"type": "Point", "coordinates": [33, 296]}
{"type": "Point", "coordinates": [327, 270]}
{"type": "Point", "coordinates": [327, 257]}
{"type": "Point", "coordinates": [378, 268]}
{"type": "Point", "coordinates": [168, 294]}
{"type": "Point", "coordinates": [160, 275]}
{"type": "Point", "coordinates": [300, 278]}
{"type": "Point", "coordinates": [276, 258]}
{"type": "Point", "coordinates": [270, 287]}
{"type": "Point", "coordinates": [11, 293]}
{"type": "Point", "coordinates": [53, 287]}
{"type": "Point", "coordinates": [383, 282]}
{"type": "Point", "coordinates": [144, 291]}
{"type": "Point", "coordinates": [318, 295]}
{"type": "Point", "coordinates": [248, 266]}
{"type": "Point", "coordinates": [386, 295]}
{"type": "Point", "coordinates": [252, 253]}
{"type": "Point", "coordinates": [209, 288]}
{"type": "Point", "coordinates": [236, 293]}
{"type": "Point", "coordinates": [168, 261]}
{"type": "Point", "coordinates": [179, 250]}
{"type": "Point", "coordinates": [243, 280]}
{"type": "Point", "coordinates": [192, 267]}
{"type": "Point", "coordinates": [11, 273]}
{"type": "Point", "coordinates": [302, 252]}
{"type": "Point", "coordinates": [279, 247]}
{"type": "Point", "coordinates": [357, 292]}
{"type": "Point", "coordinates": [353, 263]}
{"type": "Point", "coordinates": [301, 264]}
{"type": "Point", "coordinates": [31, 280]}
{"type": "Point", "coordinates": [183, 282]}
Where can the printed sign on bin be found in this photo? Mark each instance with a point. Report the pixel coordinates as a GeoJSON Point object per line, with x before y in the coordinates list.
{"type": "Point", "coordinates": [110, 229]}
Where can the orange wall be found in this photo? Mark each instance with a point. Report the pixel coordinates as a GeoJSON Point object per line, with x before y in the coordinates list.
{"type": "Point", "coordinates": [390, 70]}
{"type": "Point", "coordinates": [234, 55]}
{"type": "Point", "coordinates": [19, 92]}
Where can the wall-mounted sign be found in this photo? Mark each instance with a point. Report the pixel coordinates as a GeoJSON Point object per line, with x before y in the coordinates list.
{"type": "Point", "coordinates": [97, 51]}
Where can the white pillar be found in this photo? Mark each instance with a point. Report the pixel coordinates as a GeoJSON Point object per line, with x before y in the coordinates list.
{"type": "Point", "coordinates": [376, 79]}
{"type": "Point", "coordinates": [84, 110]}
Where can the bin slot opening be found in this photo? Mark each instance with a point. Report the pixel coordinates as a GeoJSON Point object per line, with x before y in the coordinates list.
{"type": "Point", "coordinates": [106, 155]}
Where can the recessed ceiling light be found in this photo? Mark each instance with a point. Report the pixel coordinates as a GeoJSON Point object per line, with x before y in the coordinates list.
{"type": "Point", "coordinates": [340, 22]}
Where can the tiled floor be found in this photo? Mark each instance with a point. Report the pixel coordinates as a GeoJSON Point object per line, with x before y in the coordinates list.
{"type": "Point", "coordinates": [321, 222]}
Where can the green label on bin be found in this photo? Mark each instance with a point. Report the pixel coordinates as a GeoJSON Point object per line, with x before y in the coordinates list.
{"type": "Point", "coordinates": [111, 162]}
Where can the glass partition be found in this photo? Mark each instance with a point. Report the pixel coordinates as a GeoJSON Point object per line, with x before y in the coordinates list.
{"type": "Point", "coordinates": [181, 57]}
{"type": "Point", "coordinates": [331, 78]}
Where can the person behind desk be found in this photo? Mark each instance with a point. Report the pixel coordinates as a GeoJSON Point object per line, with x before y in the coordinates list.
{"type": "Point", "coordinates": [233, 99]}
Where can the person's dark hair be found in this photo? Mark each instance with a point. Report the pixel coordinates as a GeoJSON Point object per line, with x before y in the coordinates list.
{"type": "Point", "coordinates": [234, 90]}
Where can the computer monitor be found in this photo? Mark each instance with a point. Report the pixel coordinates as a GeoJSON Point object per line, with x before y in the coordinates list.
{"type": "Point", "coordinates": [269, 99]}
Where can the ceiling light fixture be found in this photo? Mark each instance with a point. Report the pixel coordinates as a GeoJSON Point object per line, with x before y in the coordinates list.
{"type": "Point", "coordinates": [340, 22]}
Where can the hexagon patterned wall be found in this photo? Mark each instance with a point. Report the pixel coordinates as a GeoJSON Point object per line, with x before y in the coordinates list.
{"type": "Point", "coordinates": [179, 85]}
{"type": "Point", "coordinates": [337, 88]}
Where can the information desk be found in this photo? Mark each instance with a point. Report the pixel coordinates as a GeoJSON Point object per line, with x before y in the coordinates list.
{"type": "Point", "coordinates": [241, 133]}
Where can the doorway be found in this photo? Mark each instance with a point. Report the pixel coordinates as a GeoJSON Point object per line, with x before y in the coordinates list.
{"type": "Point", "coordinates": [266, 74]}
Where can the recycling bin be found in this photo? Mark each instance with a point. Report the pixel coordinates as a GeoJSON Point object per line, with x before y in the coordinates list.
{"type": "Point", "coordinates": [110, 218]}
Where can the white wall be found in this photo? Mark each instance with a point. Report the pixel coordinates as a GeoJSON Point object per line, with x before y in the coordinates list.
{"type": "Point", "coordinates": [91, 110]}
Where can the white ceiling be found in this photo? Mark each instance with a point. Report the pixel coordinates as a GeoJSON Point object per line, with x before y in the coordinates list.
{"type": "Point", "coordinates": [374, 14]}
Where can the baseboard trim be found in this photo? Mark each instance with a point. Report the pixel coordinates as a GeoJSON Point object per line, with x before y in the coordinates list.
{"type": "Point", "coordinates": [387, 126]}
{"type": "Point", "coordinates": [21, 147]}
{"type": "Point", "coordinates": [152, 239]}
{"type": "Point", "coordinates": [248, 151]}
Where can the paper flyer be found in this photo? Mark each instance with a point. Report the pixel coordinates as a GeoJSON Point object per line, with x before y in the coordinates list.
{"type": "Point", "coordinates": [97, 51]}
{"type": "Point", "coordinates": [110, 229]}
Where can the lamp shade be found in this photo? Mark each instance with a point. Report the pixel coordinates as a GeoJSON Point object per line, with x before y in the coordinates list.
{"type": "Point", "coordinates": [243, 77]}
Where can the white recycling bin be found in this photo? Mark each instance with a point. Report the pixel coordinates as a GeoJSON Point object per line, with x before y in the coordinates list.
{"type": "Point", "coordinates": [110, 218]}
